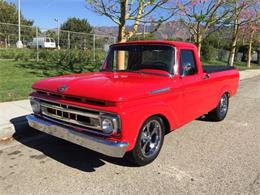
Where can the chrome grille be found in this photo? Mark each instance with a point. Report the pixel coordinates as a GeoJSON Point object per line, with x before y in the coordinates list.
{"type": "Point", "coordinates": [71, 114]}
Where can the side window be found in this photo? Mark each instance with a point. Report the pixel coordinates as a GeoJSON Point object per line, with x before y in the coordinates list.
{"type": "Point", "coordinates": [187, 63]}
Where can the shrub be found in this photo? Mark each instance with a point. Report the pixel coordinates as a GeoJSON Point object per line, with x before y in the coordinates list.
{"type": "Point", "coordinates": [17, 54]}
{"type": "Point", "coordinates": [73, 60]}
{"type": "Point", "coordinates": [208, 52]}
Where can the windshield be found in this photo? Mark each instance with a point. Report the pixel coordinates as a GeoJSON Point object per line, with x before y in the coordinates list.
{"type": "Point", "coordinates": [140, 58]}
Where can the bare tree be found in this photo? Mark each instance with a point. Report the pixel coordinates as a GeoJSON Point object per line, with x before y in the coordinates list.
{"type": "Point", "coordinates": [134, 13]}
{"type": "Point", "coordinates": [203, 16]}
{"type": "Point", "coordinates": [243, 12]}
{"type": "Point", "coordinates": [129, 14]}
{"type": "Point", "coordinates": [252, 28]}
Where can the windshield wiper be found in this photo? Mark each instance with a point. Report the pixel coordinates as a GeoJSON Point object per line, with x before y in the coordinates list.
{"type": "Point", "coordinates": [138, 72]}
{"type": "Point", "coordinates": [154, 73]}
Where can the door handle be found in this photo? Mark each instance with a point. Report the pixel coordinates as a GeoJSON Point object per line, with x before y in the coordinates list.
{"type": "Point", "coordinates": [206, 76]}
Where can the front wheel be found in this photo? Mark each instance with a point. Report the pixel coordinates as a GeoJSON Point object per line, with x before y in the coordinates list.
{"type": "Point", "coordinates": [149, 142]}
{"type": "Point", "coordinates": [220, 112]}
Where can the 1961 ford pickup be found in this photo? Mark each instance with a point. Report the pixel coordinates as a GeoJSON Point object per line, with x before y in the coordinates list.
{"type": "Point", "coordinates": [143, 90]}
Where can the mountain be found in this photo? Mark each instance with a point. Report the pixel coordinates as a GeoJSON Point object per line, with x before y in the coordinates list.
{"type": "Point", "coordinates": [168, 30]}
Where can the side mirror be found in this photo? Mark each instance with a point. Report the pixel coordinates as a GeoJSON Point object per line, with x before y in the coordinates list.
{"type": "Point", "coordinates": [188, 69]}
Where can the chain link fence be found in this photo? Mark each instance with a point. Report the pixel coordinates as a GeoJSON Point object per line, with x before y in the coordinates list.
{"type": "Point", "coordinates": [41, 44]}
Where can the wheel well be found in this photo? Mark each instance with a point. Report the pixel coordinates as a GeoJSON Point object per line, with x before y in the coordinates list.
{"type": "Point", "coordinates": [228, 94]}
{"type": "Point", "coordinates": [165, 122]}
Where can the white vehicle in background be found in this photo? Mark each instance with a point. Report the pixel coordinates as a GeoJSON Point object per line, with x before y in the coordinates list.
{"type": "Point", "coordinates": [43, 42]}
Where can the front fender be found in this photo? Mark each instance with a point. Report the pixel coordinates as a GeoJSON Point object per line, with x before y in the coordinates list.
{"type": "Point", "coordinates": [134, 117]}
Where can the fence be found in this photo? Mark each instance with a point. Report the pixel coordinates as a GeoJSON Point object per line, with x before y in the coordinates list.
{"type": "Point", "coordinates": [65, 42]}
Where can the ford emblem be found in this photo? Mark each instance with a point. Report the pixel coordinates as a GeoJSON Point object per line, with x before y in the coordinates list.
{"type": "Point", "coordinates": [62, 88]}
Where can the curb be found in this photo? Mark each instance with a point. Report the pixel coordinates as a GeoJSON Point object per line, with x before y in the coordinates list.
{"type": "Point", "coordinates": [6, 131]}
{"type": "Point", "coordinates": [248, 74]}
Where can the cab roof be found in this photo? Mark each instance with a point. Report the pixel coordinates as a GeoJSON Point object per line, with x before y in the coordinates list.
{"type": "Point", "coordinates": [159, 42]}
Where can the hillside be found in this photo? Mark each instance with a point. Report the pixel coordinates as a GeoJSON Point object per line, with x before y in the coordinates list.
{"type": "Point", "coordinates": [169, 30]}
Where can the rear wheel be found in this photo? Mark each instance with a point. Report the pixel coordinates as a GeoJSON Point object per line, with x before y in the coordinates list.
{"type": "Point", "coordinates": [220, 112]}
{"type": "Point", "coordinates": [149, 142]}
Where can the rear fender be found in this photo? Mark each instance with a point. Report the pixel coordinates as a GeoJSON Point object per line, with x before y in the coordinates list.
{"type": "Point", "coordinates": [225, 89]}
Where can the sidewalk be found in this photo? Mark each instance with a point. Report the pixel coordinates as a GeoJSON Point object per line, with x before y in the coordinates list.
{"type": "Point", "coordinates": [246, 74]}
{"type": "Point", "coordinates": [12, 114]}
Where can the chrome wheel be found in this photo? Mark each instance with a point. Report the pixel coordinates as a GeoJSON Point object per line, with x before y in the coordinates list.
{"type": "Point", "coordinates": [151, 138]}
{"type": "Point", "coordinates": [223, 104]}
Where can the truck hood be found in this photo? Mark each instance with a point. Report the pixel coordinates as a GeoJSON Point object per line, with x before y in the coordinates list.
{"type": "Point", "coordinates": [106, 86]}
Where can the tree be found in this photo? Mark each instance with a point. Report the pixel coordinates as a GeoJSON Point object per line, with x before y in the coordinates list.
{"type": "Point", "coordinates": [126, 12]}
{"type": "Point", "coordinates": [243, 12]}
{"type": "Point", "coordinates": [69, 35]}
{"type": "Point", "coordinates": [76, 25]}
{"type": "Point", "coordinates": [252, 28]}
{"type": "Point", "coordinates": [249, 30]}
{"type": "Point", "coordinates": [8, 20]}
{"type": "Point", "coordinates": [203, 16]}
{"type": "Point", "coordinates": [133, 13]}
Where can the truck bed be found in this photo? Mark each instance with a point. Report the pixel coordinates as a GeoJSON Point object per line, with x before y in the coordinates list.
{"type": "Point", "coordinates": [211, 69]}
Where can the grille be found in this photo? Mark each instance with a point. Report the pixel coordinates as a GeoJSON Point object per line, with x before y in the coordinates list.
{"type": "Point", "coordinates": [71, 114]}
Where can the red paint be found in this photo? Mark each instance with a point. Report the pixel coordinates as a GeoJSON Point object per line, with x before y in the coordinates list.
{"type": "Point", "coordinates": [129, 93]}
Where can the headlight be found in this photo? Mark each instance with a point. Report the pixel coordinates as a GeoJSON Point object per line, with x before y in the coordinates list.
{"type": "Point", "coordinates": [36, 106]}
{"type": "Point", "coordinates": [107, 126]}
{"type": "Point", "coordinates": [110, 124]}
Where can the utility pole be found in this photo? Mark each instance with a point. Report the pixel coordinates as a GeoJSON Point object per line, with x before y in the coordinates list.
{"type": "Point", "coordinates": [58, 32]}
{"type": "Point", "coordinates": [94, 47]}
{"type": "Point", "coordinates": [37, 45]}
{"type": "Point", "coordinates": [19, 43]}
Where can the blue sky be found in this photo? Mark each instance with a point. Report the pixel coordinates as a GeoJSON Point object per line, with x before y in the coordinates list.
{"type": "Point", "coordinates": [43, 12]}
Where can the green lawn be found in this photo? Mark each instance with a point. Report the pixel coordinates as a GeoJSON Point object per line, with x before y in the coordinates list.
{"type": "Point", "coordinates": [16, 77]}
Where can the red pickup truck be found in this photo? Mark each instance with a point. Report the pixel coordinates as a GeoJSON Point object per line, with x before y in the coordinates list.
{"type": "Point", "coordinates": [143, 90]}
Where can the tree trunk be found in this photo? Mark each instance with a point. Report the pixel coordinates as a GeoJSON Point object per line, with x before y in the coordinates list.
{"type": "Point", "coordinates": [122, 35]}
{"type": "Point", "coordinates": [231, 56]}
{"type": "Point", "coordinates": [121, 54]}
{"type": "Point", "coordinates": [232, 53]}
{"type": "Point", "coordinates": [198, 38]}
{"type": "Point", "coordinates": [249, 52]}
{"type": "Point", "coordinates": [199, 47]}
{"type": "Point", "coordinates": [6, 45]}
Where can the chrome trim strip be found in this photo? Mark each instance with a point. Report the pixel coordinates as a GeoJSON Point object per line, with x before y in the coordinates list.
{"type": "Point", "coordinates": [101, 145]}
{"type": "Point", "coordinates": [160, 90]}
{"type": "Point", "coordinates": [69, 110]}
{"type": "Point", "coordinates": [70, 120]}
{"type": "Point", "coordinates": [84, 129]}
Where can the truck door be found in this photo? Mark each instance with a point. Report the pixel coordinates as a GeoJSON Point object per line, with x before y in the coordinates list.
{"type": "Point", "coordinates": [193, 85]}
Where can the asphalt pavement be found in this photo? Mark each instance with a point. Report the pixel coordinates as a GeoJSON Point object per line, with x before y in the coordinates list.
{"type": "Point", "coordinates": [200, 158]}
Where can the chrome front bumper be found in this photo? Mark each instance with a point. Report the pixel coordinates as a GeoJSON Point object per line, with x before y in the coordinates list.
{"type": "Point", "coordinates": [109, 148]}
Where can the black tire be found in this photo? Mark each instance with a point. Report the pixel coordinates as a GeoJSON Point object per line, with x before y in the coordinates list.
{"type": "Point", "coordinates": [220, 112]}
{"type": "Point", "coordinates": [144, 152]}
